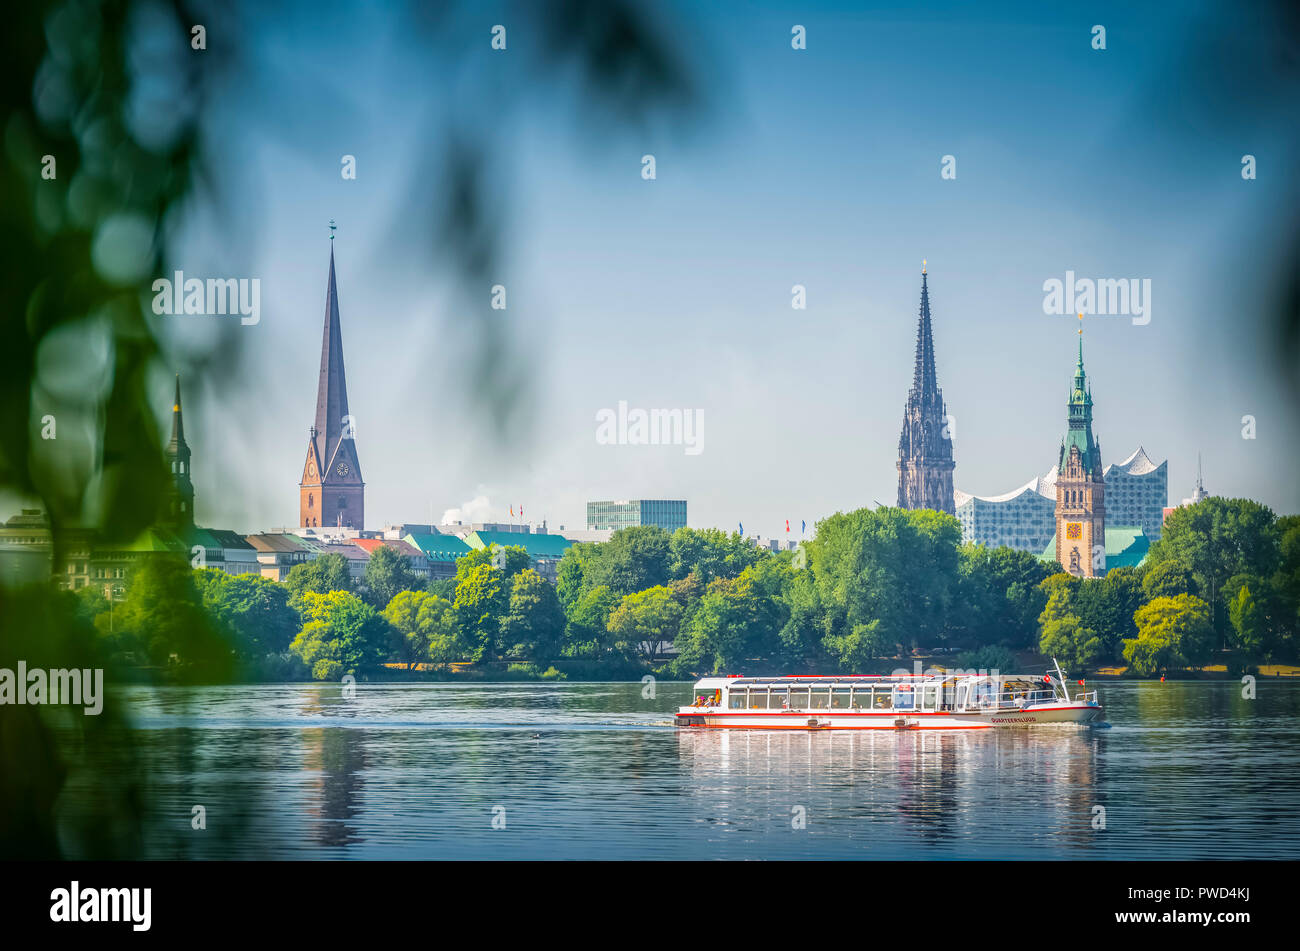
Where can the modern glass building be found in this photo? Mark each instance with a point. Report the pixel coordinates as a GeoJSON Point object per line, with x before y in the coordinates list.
{"type": "Point", "coordinates": [1023, 519]}
{"type": "Point", "coordinates": [668, 514]}
{"type": "Point", "coordinates": [1137, 491]}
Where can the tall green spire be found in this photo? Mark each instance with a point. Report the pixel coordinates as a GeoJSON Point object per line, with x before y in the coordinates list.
{"type": "Point", "coordinates": [1079, 409]}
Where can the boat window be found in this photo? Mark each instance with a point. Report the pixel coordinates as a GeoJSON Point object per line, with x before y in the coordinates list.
{"type": "Point", "coordinates": [736, 698]}
{"type": "Point", "coordinates": [798, 698]}
{"type": "Point", "coordinates": [757, 698]}
{"type": "Point", "coordinates": [903, 697]}
{"type": "Point", "coordinates": [862, 698]}
{"type": "Point", "coordinates": [820, 698]}
{"type": "Point", "coordinates": [882, 698]}
{"type": "Point", "coordinates": [840, 698]}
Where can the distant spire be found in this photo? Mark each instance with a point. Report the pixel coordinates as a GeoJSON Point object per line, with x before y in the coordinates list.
{"type": "Point", "coordinates": [178, 424]}
{"type": "Point", "coordinates": [331, 391]}
{"type": "Point", "coordinates": [924, 379]}
{"type": "Point", "coordinates": [925, 460]}
{"type": "Point", "coordinates": [180, 496]}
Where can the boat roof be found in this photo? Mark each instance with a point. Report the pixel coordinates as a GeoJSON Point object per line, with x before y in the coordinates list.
{"type": "Point", "coordinates": [864, 680]}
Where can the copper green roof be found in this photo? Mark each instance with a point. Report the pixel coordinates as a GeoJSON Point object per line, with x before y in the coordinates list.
{"type": "Point", "coordinates": [1126, 547]}
{"type": "Point", "coordinates": [438, 547]}
{"type": "Point", "coordinates": [537, 545]}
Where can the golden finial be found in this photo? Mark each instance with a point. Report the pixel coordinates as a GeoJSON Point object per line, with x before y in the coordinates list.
{"type": "Point", "coordinates": [922, 265]}
{"type": "Point", "coordinates": [1081, 325]}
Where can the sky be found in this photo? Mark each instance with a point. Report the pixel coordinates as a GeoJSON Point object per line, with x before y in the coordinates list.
{"type": "Point", "coordinates": [818, 167]}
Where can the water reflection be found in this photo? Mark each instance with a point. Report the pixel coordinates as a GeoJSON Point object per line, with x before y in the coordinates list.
{"type": "Point", "coordinates": [891, 791]}
{"type": "Point", "coordinates": [593, 771]}
{"type": "Point", "coordinates": [338, 758]}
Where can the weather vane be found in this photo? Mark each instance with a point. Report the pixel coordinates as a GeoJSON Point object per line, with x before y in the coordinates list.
{"type": "Point", "coordinates": [333, 228]}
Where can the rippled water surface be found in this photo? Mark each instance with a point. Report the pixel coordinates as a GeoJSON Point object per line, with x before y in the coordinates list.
{"type": "Point", "coordinates": [1185, 770]}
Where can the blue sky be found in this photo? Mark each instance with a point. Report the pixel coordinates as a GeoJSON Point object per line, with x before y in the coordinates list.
{"type": "Point", "coordinates": [818, 167]}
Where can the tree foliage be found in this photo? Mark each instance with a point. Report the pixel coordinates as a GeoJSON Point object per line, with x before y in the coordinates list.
{"type": "Point", "coordinates": [341, 635]}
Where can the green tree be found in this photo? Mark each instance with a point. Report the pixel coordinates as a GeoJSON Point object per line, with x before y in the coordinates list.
{"type": "Point", "coordinates": [1247, 624]}
{"type": "Point", "coordinates": [444, 588]}
{"type": "Point", "coordinates": [737, 619]}
{"type": "Point", "coordinates": [1172, 633]}
{"type": "Point", "coordinates": [1106, 606]}
{"type": "Point", "coordinates": [800, 641]}
{"type": "Point", "coordinates": [341, 635]}
{"type": "Point", "coordinates": [1286, 585]}
{"type": "Point", "coordinates": [387, 572]}
{"type": "Point", "coordinates": [481, 601]}
{"type": "Point", "coordinates": [424, 628]}
{"type": "Point", "coordinates": [633, 559]}
{"type": "Point", "coordinates": [533, 625]}
{"type": "Point", "coordinates": [1065, 638]}
{"type": "Point", "coordinates": [709, 553]}
{"type": "Point", "coordinates": [320, 576]}
{"type": "Point", "coordinates": [570, 574]}
{"type": "Point", "coordinates": [1167, 579]}
{"type": "Point", "coordinates": [163, 618]}
{"type": "Point", "coordinates": [1216, 539]}
{"type": "Point", "coordinates": [885, 577]}
{"type": "Point", "coordinates": [999, 595]}
{"type": "Point", "coordinates": [255, 610]}
{"type": "Point", "coordinates": [646, 622]}
{"type": "Point", "coordinates": [587, 631]}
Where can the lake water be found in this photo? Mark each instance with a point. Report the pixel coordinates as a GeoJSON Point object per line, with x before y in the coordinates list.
{"type": "Point", "coordinates": [1186, 770]}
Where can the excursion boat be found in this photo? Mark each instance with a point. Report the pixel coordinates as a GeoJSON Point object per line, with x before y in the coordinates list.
{"type": "Point", "coordinates": [941, 700]}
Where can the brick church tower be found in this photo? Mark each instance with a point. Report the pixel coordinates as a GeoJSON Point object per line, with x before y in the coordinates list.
{"type": "Point", "coordinates": [331, 493]}
{"type": "Point", "coordinates": [925, 462]}
{"type": "Point", "coordinates": [1080, 487]}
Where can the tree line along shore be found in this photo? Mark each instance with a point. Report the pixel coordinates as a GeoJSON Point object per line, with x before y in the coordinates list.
{"type": "Point", "coordinates": [874, 589]}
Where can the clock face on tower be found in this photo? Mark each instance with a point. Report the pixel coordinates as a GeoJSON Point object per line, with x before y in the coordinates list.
{"type": "Point", "coordinates": [342, 469]}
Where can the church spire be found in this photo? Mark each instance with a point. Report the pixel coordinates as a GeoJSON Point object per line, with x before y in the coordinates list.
{"type": "Point", "coordinates": [331, 492]}
{"type": "Point", "coordinates": [924, 379]}
{"type": "Point", "coordinates": [178, 424]}
{"type": "Point", "coordinates": [180, 491]}
{"type": "Point", "coordinates": [925, 461]}
{"type": "Point", "coordinates": [332, 389]}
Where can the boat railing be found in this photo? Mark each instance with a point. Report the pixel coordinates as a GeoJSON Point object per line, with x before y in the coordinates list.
{"type": "Point", "coordinates": [1016, 701]}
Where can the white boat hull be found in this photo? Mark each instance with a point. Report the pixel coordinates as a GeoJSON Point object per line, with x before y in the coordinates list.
{"type": "Point", "coordinates": [1041, 714]}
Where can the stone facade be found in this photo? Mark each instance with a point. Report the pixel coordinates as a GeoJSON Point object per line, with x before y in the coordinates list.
{"type": "Point", "coordinates": [925, 462]}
